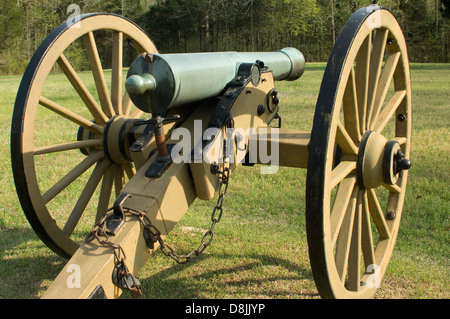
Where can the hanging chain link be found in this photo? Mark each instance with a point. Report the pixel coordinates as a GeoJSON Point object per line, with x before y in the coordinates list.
{"type": "Point", "coordinates": [122, 277]}
{"type": "Point", "coordinates": [209, 234]}
{"type": "Point", "coordinates": [224, 176]}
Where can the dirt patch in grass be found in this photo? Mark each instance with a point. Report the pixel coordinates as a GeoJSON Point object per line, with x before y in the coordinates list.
{"type": "Point", "coordinates": [396, 287]}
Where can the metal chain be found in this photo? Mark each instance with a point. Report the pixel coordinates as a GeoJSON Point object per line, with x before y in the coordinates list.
{"type": "Point", "coordinates": [209, 234]}
{"type": "Point", "coordinates": [224, 176]}
{"type": "Point", "coordinates": [153, 235]}
{"type": "Point", "coordinates": [98, 230]}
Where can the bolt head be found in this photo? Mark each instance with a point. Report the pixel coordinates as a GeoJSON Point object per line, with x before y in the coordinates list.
{"type": "Point", "coordinates": [214, 168]}
{"type": "Point", "coordinates": [390, 215]}
{"type": "Point", "coordinates": [261, 109]}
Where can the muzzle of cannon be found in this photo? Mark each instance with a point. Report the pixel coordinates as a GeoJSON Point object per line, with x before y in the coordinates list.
{"type": "Point", "coordinates": [158, 82]}
{"type": "Point", "coordinates": [104, 179]}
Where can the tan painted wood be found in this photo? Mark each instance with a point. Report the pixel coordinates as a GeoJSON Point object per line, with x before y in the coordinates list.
{"type": "Point", "coordinates": [116, 73]}
{"type": "Point", "coordinates": [354, 259]}
{"type": "Point", "coordinates": [345, 141]}
{"type": "Point", "coordinates": [292, 146]}
{"type": "Point", "coordinates": [376, 60]}
{"type": "Point", "coordinates": [98, 114]}
{"type": "Point", "coordinates": [367, 234]}
{"type": "Point", "coordinates": [97, 71]}
{"type": "Point", "coordinates": [66, 146]}
{"type": "Point", "coordinates": [371, 68]}
{"type": "Point", "coordinates": [350, 105]}
{"type": "Point", "coordinates": [165, 200]}
{"type": "Point", "coordinates": [55, 55]}
{"type": "Point", "coordinates": [168, 194]}
{"type": "Point", "coordinates": [88, 162]}
{"type": "Point", "coordinates": [247, 121]}
{"type": "Point", "coordinates": [71, 116]}
{"type": "Point", "coordinates": [383, 87]}
{"type": "Point", "coordinates": [342, 200]}
{"type": "Point", "coordinates": [362, 78]}
{"type": "Point", "coordinates": [85, 197]}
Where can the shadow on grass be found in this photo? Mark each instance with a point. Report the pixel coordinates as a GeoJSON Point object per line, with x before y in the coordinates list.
{"type": "Point", "coordinates": [250, 278]}
{"type": "Point", "coordinates": [27, 265]}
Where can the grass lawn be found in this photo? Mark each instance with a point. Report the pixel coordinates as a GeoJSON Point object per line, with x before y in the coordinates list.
{"type": "Point", "coordinates": [260, 249]}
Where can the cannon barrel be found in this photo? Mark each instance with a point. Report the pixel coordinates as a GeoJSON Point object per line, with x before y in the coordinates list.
{"type": "Point", "coordinates": [157, 82]}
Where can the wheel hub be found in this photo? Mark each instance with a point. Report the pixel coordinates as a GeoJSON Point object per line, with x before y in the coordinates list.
{"type": "Point", "coordinates": [379, 161]}
{"type": "Point", "coordinates": [115, 141]}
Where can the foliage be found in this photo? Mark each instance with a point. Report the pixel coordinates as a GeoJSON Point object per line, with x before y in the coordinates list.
{"type": "Point", "coordinates": [219, 25]}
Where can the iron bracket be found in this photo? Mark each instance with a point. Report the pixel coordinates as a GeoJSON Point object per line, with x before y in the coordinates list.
{"type": "Point", "coordinates": [98, 293]}
{"type": "Point", "coordinates": [159, 166]}
{"type": "Point", "coordinates": [114, 222]}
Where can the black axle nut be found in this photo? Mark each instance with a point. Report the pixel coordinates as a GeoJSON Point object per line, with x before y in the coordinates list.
{"type": "Point", "coordinates": [214, 168]}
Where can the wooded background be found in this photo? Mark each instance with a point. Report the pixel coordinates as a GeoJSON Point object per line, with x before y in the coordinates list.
{"type": "Point", "coordinates": [223, 25]}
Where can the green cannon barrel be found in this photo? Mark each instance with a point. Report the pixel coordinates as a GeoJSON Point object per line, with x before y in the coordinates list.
{"type": "Point", "coordinates": [158, 82]}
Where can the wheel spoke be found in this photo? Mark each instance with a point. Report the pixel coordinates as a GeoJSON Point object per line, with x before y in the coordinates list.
{"type": "Point", "coordinates": [389, 110]}
{"type": "Point", "coordinates": [377, 215]}
{"type": "Point", "coordinates": [118, 180]}
{"type": "Point", "coordinates": [354, 263]}
{"type": "Point", "coordinates": [70, 177]}
{"type": "Point", "coordinates": [362, 79]}
{"type": "Point", "coordinates": [345, 236]}
{"type": "Point", "coordinates": [341, 171]}
{"type": "Point", "coordinates": [105, 193]}
{"type": "Point", "coordinates": [350, 106]}
{"type": "Point", "coordinates": [126, 104]}
{"type": "Point", "coordinates": [66, 146]}
{"type": "Point", "coordinates": [376, 61]}
{"type": "Point", "coordinates": [345, 141]}
{"type": "Point", "coordinates": [136, 114]}
{"type": "Point", "coordinates": [367, 237]}
{"type": "Point", "coordinates": [393, 188]}
{"type": "Point", "coordinates": [97, 72]}
{"type": "Point", "coordinates": [71, 116]}
{"type": "Point", "coordinates": [99, 116]}
{"type": "Point", "coordinates": [130, 170]}
{"type": "Point", "coordinates": [116, 82]}
{"type": "Point", "coordinates": [383, 86]}
{"type": "Point", "coordinates": [85, 197]}
{"type": "Point", "coordinates": [400, 140]}
{"type": "Point", "coordinates": [137, 46]}
{"type": "Point", "coordinates": [341, 202]}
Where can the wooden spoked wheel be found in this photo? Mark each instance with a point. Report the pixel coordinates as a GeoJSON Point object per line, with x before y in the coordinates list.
{"type": "Point", "coordinates": [66, 123]}
{"type": "Point", "coordinates": [356, 179]}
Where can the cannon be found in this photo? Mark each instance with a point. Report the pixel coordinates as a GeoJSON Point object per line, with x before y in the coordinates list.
{"type": "Point", "coordinates": [136, 177]}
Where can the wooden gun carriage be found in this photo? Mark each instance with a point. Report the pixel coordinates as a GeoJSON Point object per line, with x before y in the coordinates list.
{"type": "Point", "coordinates": [143, 177]}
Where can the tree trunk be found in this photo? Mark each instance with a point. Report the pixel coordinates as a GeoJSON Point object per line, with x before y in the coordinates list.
{"type": "Point", "coordinates": [332, 21]}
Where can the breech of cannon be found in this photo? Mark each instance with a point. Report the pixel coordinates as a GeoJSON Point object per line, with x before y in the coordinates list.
{"type": "Point", "coordinates": [158, 82]}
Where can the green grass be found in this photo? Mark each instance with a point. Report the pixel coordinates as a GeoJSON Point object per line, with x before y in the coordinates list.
{"type": "Point", "coordinates": [260, 248]}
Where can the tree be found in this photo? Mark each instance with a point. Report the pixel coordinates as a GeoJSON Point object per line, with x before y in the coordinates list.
{"type": "Point", "coordinates": [220, 25]}
{"type": "Point", "coordinates": [11, 19]}
{"type": "Point", "coordinates": [445, 8]}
